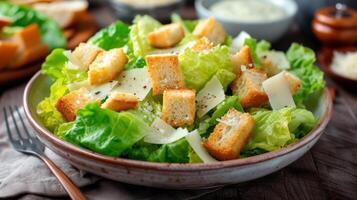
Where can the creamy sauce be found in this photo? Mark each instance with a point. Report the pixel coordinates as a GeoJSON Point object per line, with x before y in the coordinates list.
{"type": "Point", "coordinates": [248, 10]}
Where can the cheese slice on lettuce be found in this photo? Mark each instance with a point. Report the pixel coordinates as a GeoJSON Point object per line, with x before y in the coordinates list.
{"type": "Point", "coordinates": [277, 89]}
{"type": "Point", "coordinates": [209, 97]}
{"type": "Point", "coordinates": [195, 141]}
{"type": "Point", "coordinates": [163, 133]}
{"type": "Point", "coordinates": [135, 81]}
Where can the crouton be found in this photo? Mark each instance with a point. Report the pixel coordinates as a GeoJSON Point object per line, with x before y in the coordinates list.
{"type": "Point", "coordinates": [202, 44]}
{"type": "Point", "coordinates": [85, 54]}
{"type": "Point", "coordinates": [212, 30]}
{"type": "Point", "coordinates": [68, 104]}
{"type": "Point", "coordinates": [243, 57]}
{"type": "Point", "coordinates": [30, 46]}
{"type": "Point", "coordinates": [164, 72]}
{"type": "Point", "coordinates": [4, 21]}
{"type": "Point", "coordinates": [166, 36]}
{"type": "Point", "coordinates": [179, 107]}
{"type": "Point", "coordinates": [8, 51]}
{"type": "Point", "coordinates": [230, 135]}
{"type": "Point", "coordinates": [119, 101]}
{"type": "Point", "coordinates": [293, 81]}
{"type": "Point", "coordinates": [249, 88]}
{"type": "Point", "coordinates": [106, 66]}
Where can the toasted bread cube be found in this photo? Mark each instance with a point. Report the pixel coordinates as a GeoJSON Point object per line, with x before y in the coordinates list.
{"type": "Point", "coordinates": [68, 104]}
{"type": "Point", "coordinates": [106, 66]}
{"type": "Point", "coordinates": [179, 107]}
{"type": "Point", "coordinates": [243, 57]}
{"type": "Point", "coordinates": [249, 88]}
{"type": "Point", "coordinates": [119, 101]}
{"type": "Point", "coordinates": [202, 44]}
{"type": "Point", "coordinates": [4, 21]}
{"type": "Point", "coordinates": [230, 135]}
{"type": "Point", "coordinates": [30, 46]}
{"type": "Point", "coordinates": [212, 30]}
{"type": "Point", "coordinates": [293, 81]}
{"type": "Point", "coordinates": [8, 51]}
{"type": "Point", "coordinates": [85, 54]}
{"type": "Point", "coordinates": [166, 36]}
{"type": "Point", "coordinates": [164, 72]}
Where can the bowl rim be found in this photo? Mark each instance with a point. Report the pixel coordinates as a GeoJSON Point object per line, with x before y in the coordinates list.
{"type": "Point", "coordinates": [200, 8]}
{"type": "Point", "coordinates": [69, 148]}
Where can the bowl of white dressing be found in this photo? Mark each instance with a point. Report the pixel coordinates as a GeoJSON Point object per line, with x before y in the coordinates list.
{"type": "Point", "coordinates": [262, 19]}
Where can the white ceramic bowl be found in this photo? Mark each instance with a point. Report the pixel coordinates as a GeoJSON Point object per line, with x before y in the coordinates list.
{"type": "Point", "coordinates": [172, 175]}
{"type": "Point", "coordinates": [270, 31]}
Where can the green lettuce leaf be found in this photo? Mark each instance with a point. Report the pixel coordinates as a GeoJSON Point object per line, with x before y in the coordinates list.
{"type": "Point", "coordinates": [276, 129]}
{"type": "Point", "coordinates": [140, 29]}
{"type": "Point", "coordinates": [199, 67]}
{"type": "Point", "coordinates": [114, 36]}
{"type": "Point", "coordinates": [133, 61]}
{"type": "Point", "coordinates": [176, 152]}
{"type": "Point", "coordinates": [46, 109]}
{"type": "Point", "coordinates": [23, 16]}
{"type": "Point", "coordinates": [55, 66]}
{"type": "Point", "coordinates": [302, 61]}
{"type": "Point", "coordinates": [149, 109]}
{"type": "Point", "coordinates": [105, 131]}
{"type": "Point", "coordinates": [263, 45]}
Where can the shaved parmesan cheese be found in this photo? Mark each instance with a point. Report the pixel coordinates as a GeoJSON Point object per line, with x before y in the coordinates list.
{"type": "Point", "coordinates": [210, 96]}
{"type": "Point", "coordinates": [102, 91]}
{"type": "Point", "coordinates": [95, 91]}
{"type": "Point", "coordinates": [238, 42]}
{"type": "Point", "coordinates": [195, 141]}
{"type": "Point", "coordinates": [163, 133]}
{"type": "Point", "coordinates": [278, 60]}
{"type": "Point", "coordinates": [277, 89]}
{"type": "Point", "coordinates": [134, 81]}
{"type": "Point", "coordinates": [72, 62]}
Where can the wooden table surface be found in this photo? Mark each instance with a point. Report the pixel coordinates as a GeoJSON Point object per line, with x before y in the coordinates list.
{"type": "Point", "coordinates": [327, 171]}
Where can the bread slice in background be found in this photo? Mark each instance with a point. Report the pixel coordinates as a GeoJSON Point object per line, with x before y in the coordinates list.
{"type": "Point", "coordinates": [8, 51]}
{"type": "Point", "coordinates": [30, 46]}
{"type": "Point", "coordinates": [65, 13]}
{"type": "Point", "coordinates": [230, 135]}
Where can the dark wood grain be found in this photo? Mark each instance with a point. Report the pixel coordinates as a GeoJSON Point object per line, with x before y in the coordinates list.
{"type": "Point", "coordinates": [327, 171]}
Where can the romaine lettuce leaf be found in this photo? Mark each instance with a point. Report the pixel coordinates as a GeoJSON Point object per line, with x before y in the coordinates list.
{"type": "Point", "coordinates": [149, 109]}
{"type": "Point", "coordinates": [176, 152]}
{"type": "Point", "coordinates": [114, 36]}
{"type": "Point", "coordinates": [46, 109]}
{"type": "Point", "coordinates": [55, 66]}
{"type": "Point", "coordinates": [23, 16]}
{"type": "Point", "coordinates": [263, 45]}
{"type": "Point", "coordinates": [140, 29]}
{"type": "Point", "coordinates": [199, 67]}
{"type": "Point", "coordinates": [275, 129]}
{"type": "Point", "coordinates": [302, 61]}
{"type": "Point", "coordinates": [105, 131]}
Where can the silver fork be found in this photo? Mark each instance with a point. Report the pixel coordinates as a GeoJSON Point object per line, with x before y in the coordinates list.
{"type": "Point", "coordinates": [29, 144]}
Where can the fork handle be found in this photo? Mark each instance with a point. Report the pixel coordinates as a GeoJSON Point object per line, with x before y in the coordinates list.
{"type": "Point", "coordinates": [69, 186]}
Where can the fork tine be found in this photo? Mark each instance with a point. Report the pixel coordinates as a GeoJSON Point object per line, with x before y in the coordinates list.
{"type": "Point", "coordinates": [23, 123]}
{"type": "Point", "coordinates": [9, 134]}
{"type": "Point", "coordinates": [16, 127]}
